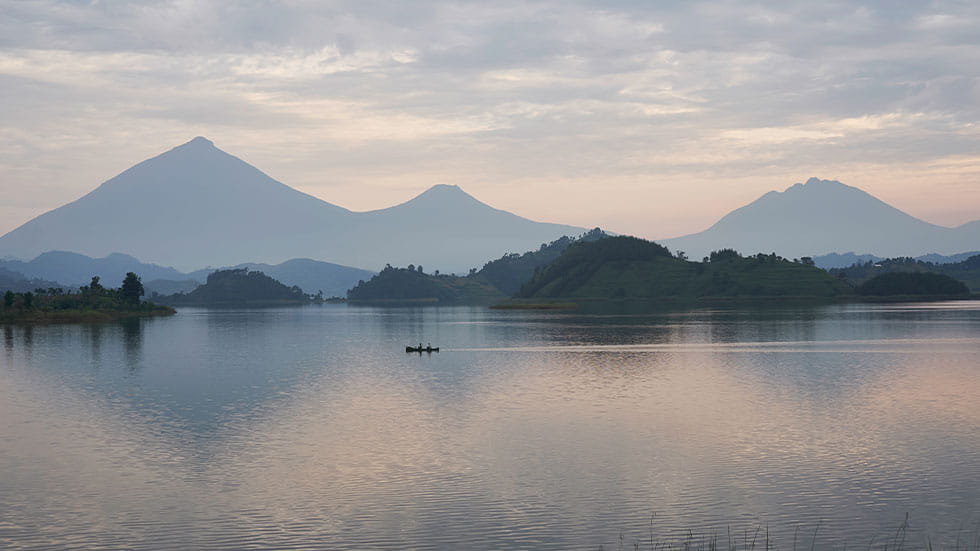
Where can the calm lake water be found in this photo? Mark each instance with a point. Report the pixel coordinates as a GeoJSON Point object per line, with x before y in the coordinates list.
{"type": "Point", "coordinates": [311, 428]}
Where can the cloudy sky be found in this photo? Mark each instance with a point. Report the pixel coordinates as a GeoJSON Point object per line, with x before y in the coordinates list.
{"type": "Point", "coordinates": [651, 118]}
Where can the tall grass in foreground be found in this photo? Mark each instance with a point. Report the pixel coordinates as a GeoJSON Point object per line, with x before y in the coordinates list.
{"type": "Point", "coordinates": [758, 539]}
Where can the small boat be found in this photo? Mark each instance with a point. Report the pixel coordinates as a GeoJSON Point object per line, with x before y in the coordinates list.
{"type": "Point", "coordinates": [421, 349]}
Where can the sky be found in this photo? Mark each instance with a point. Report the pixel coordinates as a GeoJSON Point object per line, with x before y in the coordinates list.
{"type": "Point", "coordinates": [641, 117]}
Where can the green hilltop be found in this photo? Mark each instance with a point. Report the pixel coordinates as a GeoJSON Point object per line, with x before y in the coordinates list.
{"type": "Point", "coordinates": [497, 280]}
{"type": "Point", "coordinates": [967, 271]}
{"type": "Point", "coordinates": [411, 285]}
{"type": "Point", "coordinates": [238, 287]}
{"type": "Point", "coordinates": [629, 267]}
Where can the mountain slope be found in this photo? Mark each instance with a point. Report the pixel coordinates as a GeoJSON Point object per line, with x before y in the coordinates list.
{"type": "Point", "coordinates": [196, 205]}
{"type": "Point", "coordinates": [312, 276]}
{"type": "Point", "coordinates": [446, 220]}
{"type": "Point", "coordinates": [824, 216]}
{"type": "Point", "coordinates": [77, 269]}
{"type": "Point", "coordinates": [628, 267]}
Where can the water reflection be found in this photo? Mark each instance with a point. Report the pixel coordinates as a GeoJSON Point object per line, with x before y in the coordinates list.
{"type": "Point", "coordinates": [302, 428]}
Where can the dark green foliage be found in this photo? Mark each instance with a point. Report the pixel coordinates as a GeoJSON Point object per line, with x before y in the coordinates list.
{"type": "Point", "coordinates": [498, 278]}
{"type": "Point", "coordinates": [239, 287]}
{"type": "Point", "coordinates": [582, 260]}
{"type": "Point", "coordinates": [510, 271]}
{"type": "Point", "coordinates": [93, 302]}
{"type": "Point", "coordinates": [627, 267]}
{"type": "Point", "coordinates": [394, 285]}
{"type": "Point", "coordinates": [912, 283]}
{"type": "Point", "coordinates": [723, 255]}
{"type": "Point", "coordinates": [967, 271]}
{"type": "Point", "coordinates": [132, 288]}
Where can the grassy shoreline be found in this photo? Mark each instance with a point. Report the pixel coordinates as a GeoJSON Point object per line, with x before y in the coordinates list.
{"type": "Point", "coordinates": [81, 315]}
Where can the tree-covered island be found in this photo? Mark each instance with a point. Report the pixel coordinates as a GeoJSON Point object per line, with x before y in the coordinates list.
{"type": "Point", "coordinates": [597, 266]}
{"type": "Point", "coordinates": [239, 288]}
{"type": "Point", "coordinates": [92, 302]}
{"type": "Point", "coordinates": [633, 268]}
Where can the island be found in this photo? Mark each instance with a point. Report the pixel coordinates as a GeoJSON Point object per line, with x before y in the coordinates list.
{"type": "Point", "coordinates": [623, 267]}
{"type": "Point", "coordinates": [239, 287]}
{"type": "Point", "coordinates": [91, 303]}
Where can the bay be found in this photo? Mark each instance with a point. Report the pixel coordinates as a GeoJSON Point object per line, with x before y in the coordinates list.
{"type": "Point", "coordinates": [311, 427]}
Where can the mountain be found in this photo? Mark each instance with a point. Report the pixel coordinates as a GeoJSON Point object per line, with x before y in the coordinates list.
{"type": "Point", "coordinates": [313, 276]}
{"type": "Point", "coordinates": [412, 286]}
{"type": "Point", "coordinates": [197, 206]}
{"type": "Point", "coordinates": [76, 269]}
{"type": "Point", "coordinates": [947, 259]}
{"type": "Point", "coordinates": [632, 268]}
{"type": "Point", "coordinates": [823, 216]}
{"type": "Point", "coordinates": [498, 278]}
{"type": "Point", "coordinates": [237, 288]}
{"type": "Point", "coordinates": [16, 282]}
{"type": "Point", "coordinates": [966, 270]}
{"type": "Point", "coordinates": [835, 260]}
{"type": "Point", "coordinates": [509, 272]}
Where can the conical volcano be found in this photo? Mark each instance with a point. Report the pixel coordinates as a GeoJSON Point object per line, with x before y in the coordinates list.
{"type": "Point", "coordinates": [197, 206]}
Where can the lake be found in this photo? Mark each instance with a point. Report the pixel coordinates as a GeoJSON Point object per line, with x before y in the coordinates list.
{"type": "Point", "coordinates": [311, 428]}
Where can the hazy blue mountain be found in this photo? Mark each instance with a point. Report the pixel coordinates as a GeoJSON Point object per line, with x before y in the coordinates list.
{"type": "Point", "coordinates": [16, 282]}
{"type": "Point", "coordinates": [834, 260]}
{"type": "Point", "coordinates": [170, 286]}
{"type": "Point", "coordinates": [823, 216]}
{"type": "Point", "coordinates": [947, 259]}
{"type": "Point", "coordinates": [196, 206]}
{"type": "Point", "coordinates": [77, 269]}
{"type": "Point", "coordinates": [239, 287]}
{"type": "Point", "coordinates": [313, 276]}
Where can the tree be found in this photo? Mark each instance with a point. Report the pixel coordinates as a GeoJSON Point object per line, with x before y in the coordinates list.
{"type": "Point", "coordinates": [131, 290]}
{"type": "Point", "coordinates": [28, 300]}
{"type": "Point", "coordinates": [8, 299]}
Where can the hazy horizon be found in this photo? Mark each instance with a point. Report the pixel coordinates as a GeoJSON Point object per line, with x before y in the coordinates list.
{"type": "Point", "coordinates": [649, 120]}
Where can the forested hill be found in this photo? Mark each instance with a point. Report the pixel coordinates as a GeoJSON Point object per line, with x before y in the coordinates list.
{"type": "Point", "coordinates": [412, 285]}
{"type": "Point", "coordinates": [967, 271]}
{"type": "Point", "coordinates": [510, 271]}
{"type": "Point", "coordinates": [239, 287]}
{"type": "Point", "coordinates": [628, 267]}
{"type": "Point", "coordinates": [913, 283]}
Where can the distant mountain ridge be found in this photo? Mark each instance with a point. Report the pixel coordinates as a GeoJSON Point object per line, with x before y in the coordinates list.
{"type": "Point", "coordinates": [835, 260]}
{"type": "Point", "coordinates": [823, 216]}
{"type": "Point", "coordinates": [73, 269]}
{"type": "Point", "coordinates": [196, 205]}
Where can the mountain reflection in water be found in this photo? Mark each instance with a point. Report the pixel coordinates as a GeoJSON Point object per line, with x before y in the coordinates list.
{"type": "Point", "coordinates": [310, 427]}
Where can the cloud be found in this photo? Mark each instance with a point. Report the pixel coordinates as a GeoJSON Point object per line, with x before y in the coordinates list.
{"type": "Point", "coordinates": [364, 97]}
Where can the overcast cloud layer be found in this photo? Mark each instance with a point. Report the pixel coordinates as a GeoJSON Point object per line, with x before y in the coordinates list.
{"type": "Point", "coordinates": [652, 118]}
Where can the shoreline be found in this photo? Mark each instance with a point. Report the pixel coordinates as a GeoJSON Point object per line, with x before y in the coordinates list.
{"type": "Point", "coordinates": [80, 316]}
